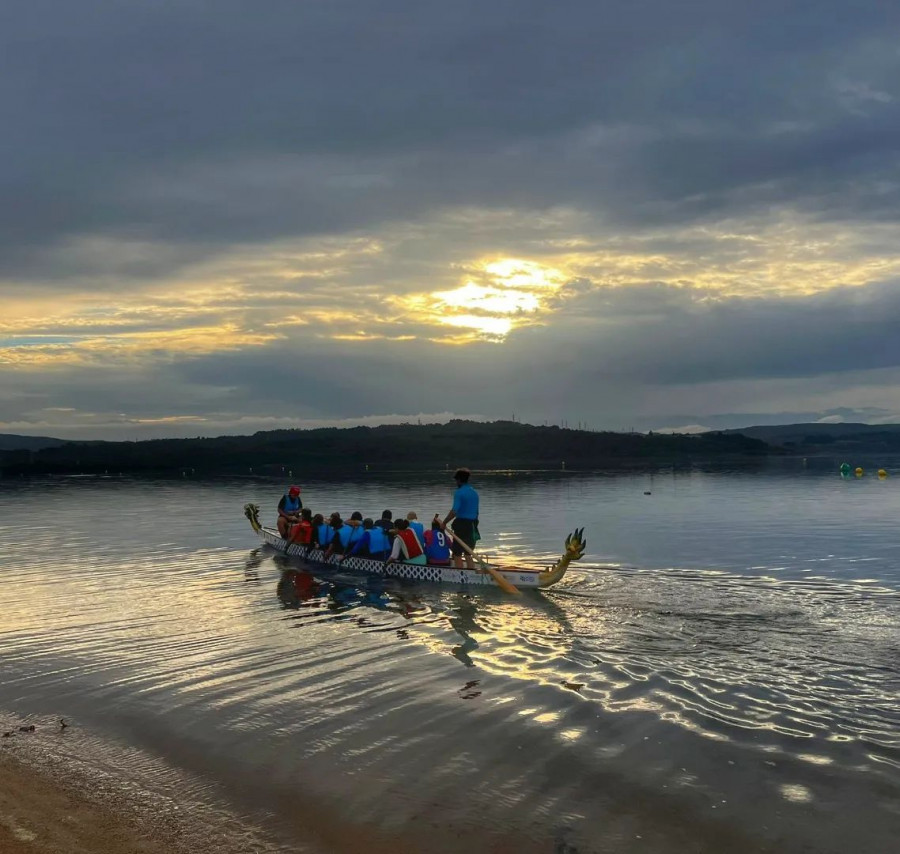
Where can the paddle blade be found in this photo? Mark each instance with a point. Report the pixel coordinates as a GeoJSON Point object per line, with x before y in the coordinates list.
{"type": "Point", "coordinates": [502, 583]}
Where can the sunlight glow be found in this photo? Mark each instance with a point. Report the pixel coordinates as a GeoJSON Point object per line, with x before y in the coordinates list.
{"type": "Point", "coordinates": [516, 273]}
{"type": "Point", "coordinates": [497, 296]}
{"type": "Point", "coordinates": [413, 282]}
{"type": "Point", "coordinates": [488, 299]}
{"type": "Point", "coordinates": [487, 326]}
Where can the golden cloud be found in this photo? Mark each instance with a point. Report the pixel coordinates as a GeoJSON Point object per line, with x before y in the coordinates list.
{"type": "Point", "coordinates": [424, 281]}
{"type": "Point", "coordinates": [128, 346]}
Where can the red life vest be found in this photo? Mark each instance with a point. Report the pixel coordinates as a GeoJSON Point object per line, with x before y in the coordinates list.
{"type": "Point", "coordinates": [302, 533]}
{"type": "Point", "coordinates": [411, 541]}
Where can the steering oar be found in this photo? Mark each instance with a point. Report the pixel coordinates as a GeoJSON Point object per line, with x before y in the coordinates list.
{"type": "Point", "coordinates": [502, 583]}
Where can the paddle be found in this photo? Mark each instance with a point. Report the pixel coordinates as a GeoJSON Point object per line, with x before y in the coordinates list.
{"type": "Point", "coordinates": [502, 583]}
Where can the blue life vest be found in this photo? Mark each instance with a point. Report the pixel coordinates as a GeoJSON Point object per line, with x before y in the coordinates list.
{"type": "Point", "coordinates": [419, 528]}
{"type": "Point", "coordinates": [326, 535]}
{"type": "Point", "coordinates": [291, 505]}
{"type": "Point", "coordinates": [349, 534]}
{"type": "Point", "coordinates": [378, 542]}
{"type": "Point", "coordinates": [437, 546]}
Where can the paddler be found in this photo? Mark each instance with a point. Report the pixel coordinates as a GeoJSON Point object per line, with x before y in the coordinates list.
{"type": "Point", "coordinates": [289, 510]}
{"type": "Point", "coordinates": [407, 546]}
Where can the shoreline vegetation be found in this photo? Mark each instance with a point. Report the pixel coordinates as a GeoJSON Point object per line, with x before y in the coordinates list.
{"type": "Point", "coordinates": [389, 449]}
{"type": "Point", "coordinates": [385, 449]}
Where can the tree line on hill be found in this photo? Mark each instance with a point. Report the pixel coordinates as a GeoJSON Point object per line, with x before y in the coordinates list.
{"type": "Point", "coordinates": [403, 447]}
{"type": "Point", "coordinates": [818, 439]}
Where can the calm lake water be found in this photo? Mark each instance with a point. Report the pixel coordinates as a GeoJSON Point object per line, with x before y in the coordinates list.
{"type": "Point", "coordinates": [721, 671]}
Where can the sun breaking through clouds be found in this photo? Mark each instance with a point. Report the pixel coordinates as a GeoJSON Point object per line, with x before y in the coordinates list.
{"type": "Point", "coordinates": [623, 214]}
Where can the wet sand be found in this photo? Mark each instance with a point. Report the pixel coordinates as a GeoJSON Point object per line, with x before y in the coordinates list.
{"type": "Point", "coordinates": [78, 795]}
{"type": "Point", "coordinates": [64, 792]}
{"type": "Point", "coordinates": [44, 814]}
{"type": "Point", "coordinates": [40, 816]}
{"type": "Point", "coordinates": [55, 799]}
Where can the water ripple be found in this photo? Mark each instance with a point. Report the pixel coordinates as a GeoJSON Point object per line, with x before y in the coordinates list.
{"type": "Point", "coordinates": [240, 653]}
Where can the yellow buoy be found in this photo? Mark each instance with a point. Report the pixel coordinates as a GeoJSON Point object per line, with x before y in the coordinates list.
{"type": "Point", "coordinates": [858, 471]}
{"type": "Point", "coordinates": [882, 473]}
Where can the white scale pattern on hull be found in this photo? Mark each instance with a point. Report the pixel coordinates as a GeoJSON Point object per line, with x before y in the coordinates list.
{"type": "Point", "coordinates": [443, 574]}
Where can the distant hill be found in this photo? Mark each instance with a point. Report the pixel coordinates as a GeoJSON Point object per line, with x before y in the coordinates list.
{"type": "Point", "coordinates": [403, 447]}
{"type": "Point", "coordinates": [12, 442]}
{"type": "Point", "coordinates": [818, 438]}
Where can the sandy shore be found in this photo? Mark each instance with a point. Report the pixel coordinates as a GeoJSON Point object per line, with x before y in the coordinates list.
{"type": "Point", "coordinates": [70, 792]}
{"type": "Point", "coordinates": [60, 794]}
{"type": "Point", "coordinates": [67, 792]}
{"type": "Point", "coordinates": [41, 816]}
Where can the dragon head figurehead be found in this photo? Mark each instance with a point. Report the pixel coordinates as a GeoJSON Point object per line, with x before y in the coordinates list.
{"type": "Point", "coordinates": [575, 546]}
{"type": "Point", "coordinates": [251, 511]}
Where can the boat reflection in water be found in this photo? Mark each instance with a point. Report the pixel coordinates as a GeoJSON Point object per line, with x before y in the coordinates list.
{"type": "Point", "coordinates": [462, 619]}
{"type": "Point", "coordinates": [296, 587]}
{"type": "Point", "coordinates": [319, 596]}
{"type": "Point", "coordinates": [299, 588]}
{"type": "Point", "coordinates": [252, 563]}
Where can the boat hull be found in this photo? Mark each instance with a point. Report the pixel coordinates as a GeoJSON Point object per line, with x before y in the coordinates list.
{"type": "Point", "coordinates": [518, 577]}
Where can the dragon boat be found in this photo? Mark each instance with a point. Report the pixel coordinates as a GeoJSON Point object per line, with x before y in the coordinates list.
{"type": "Point", "coordinates": [519, 576]}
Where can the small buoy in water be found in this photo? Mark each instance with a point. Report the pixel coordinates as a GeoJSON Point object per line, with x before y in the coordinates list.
{"type": "Point", "coordinates": [845, 468]}
{"type": "Point", "coordinates": [647, 492]}
{"type": "Point", "coordinates": [882, 473]}
{"type": "Point", "coordinates": [858, 471]}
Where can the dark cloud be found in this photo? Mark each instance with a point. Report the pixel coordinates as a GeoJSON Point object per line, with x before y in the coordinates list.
{"type": "Point", "coordinates": [646, 340]}
{"type": "Point", "coordinates": [199, 123]}
{"type": "Point", "coordinates": [143, 139]}
{"type": "Point", "coordinates": [667, 335]}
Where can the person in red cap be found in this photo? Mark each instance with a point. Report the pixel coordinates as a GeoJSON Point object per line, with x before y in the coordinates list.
{"type": "Point", "coordinates": [289, 510]}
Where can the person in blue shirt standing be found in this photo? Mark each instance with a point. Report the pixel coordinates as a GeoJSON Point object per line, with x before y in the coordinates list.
{"type": "Point", "coordinates": [464, 516]}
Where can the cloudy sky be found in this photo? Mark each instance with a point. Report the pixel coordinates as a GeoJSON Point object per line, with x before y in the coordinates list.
{"type": "Point", "coordinates": [220, 217]}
